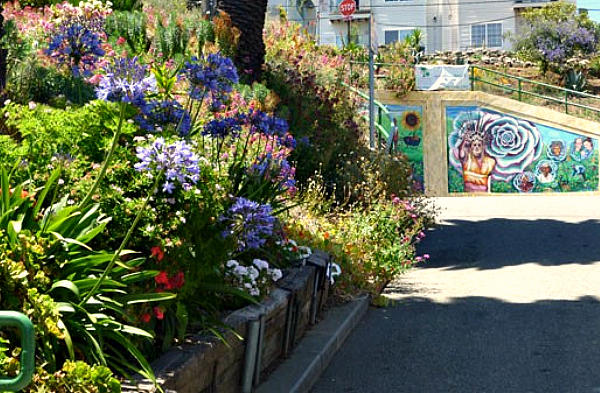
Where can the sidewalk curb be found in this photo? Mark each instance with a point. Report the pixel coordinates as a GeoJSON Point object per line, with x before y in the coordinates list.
{"type": "Point", "coordinates": [299, 372]}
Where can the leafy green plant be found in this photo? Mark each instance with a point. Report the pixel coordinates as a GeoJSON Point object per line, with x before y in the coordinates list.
{"type": "Point", "coordinates": [55, 279]}
{"type": "Point", "coordinates": [132, 27]}
{"type": "Point", "coordinates": [171, 39]}
{"type": "Point", "coordinates": [575, 80]}
{"type": "Point", "coordinates": [127, 5]}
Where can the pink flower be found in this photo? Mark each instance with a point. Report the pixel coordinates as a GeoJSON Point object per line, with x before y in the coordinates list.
{"type": "Point", "coordinates": [145, 317]}
{"type": "Point", "coordinates": [158, 312]}
{"type": "Point", "coordinates": [426, 256]}
{"type": "Point", "coordinates": [94, 80]}
{"type": "Point", "coordinates": [121, 41]}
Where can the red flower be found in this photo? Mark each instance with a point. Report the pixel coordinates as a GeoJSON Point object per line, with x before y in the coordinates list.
{"type": "Point", "coordinates": [158, 253]}
{"type": "Point", "coordinates": [162, 278]}
{"type": "Point", "coordinates": [177, 280]}
{"type": "Point", "coordinates": [145, 317]}
{"type": "Point", "coordinates": [159, 313]}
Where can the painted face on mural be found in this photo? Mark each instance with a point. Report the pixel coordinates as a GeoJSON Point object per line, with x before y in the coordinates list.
{"type": "Point", "coordinates": [556, 148]}
{"type": "Point", "coordinates": [493, 152]}
{"type": "Point", "coordinates": [477, 147]}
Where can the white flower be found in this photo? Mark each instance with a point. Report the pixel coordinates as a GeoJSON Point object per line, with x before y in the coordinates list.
{"type": "Point", "coordinates": [240, 271]}
{"type": "Point", "coordinates": [254, 292]}
{"type": "Point", "coordinates": [248, 285]}
{"type": "Point", "coordinates": [292, 242]}
{"type": "Point", "coordinates": [276, 274]}
{"type": "Point", "coordinates": [32, 105]}
{"type": "Point", "coordinates": [232, 263]}
{"type": "Point", "coordinates": [253, 273]}
{"type": "Point", "coordinates": [260, 264]}
{"type": "Point", "coordinates": [304, 251]}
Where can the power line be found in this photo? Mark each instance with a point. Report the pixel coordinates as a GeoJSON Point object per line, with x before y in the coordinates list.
{"type": "Point", "coordinates": [453, 25]}
{"type": "Point", "coordinates": [398, 4]}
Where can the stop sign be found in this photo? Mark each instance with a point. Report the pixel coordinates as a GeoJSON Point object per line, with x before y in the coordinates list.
{"type": "Point", "coordinates": [347, 7]}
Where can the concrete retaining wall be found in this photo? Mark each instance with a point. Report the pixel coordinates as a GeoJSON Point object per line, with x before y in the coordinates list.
{"type": "Point", "coordinates": [206, 364]}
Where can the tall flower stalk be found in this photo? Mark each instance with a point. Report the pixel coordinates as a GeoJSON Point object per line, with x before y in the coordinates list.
{"type": "Point", "coordinates": [175, 163]}
{"type": "Point", "coordinates": [125, 82]}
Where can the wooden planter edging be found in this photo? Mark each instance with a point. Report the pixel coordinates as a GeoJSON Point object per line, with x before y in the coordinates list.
{"type": "Point", "coordinates": [270, 330]}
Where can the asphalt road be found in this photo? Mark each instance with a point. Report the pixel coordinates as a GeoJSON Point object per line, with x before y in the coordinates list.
{"type": "Point", "coordinates": [510, 302]}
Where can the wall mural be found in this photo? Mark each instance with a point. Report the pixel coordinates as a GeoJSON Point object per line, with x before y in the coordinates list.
{"type": "Point", "coordinates": [406, 136]}
{"type": "Point", "coordinates": [493, 152]}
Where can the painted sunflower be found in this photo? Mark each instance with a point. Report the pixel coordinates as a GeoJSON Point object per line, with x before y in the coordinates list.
{"type": "Point", "coordinates": [411, 120]}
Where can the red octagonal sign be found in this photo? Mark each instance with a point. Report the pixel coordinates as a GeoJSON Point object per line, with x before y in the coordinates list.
{"type": "Point", "coordinates": [347, 7]}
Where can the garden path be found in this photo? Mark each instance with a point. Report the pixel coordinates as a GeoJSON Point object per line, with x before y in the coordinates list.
{"type": "Point", "coordinates": [510, 302]}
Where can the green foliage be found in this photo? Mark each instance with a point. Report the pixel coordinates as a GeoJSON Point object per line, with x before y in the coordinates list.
{"type": "Point", "coordinates": [132, 27]}
{"type": "Point", "coordinates": [171, 39]}
{"type": "Point", "coordinates": [575, 80]}
{"type": "Point", "coordinates": [48, 268]}
{"type": "Point", "coordinates": [75, 376]}
{"type": "Point", "coordinates": [127, 5]}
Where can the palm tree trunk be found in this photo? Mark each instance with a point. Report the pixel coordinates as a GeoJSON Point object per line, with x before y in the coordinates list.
{"type": "Point", "coordinates": [249, 17]}
{"type": "Point", "coordinates": [3, 53]}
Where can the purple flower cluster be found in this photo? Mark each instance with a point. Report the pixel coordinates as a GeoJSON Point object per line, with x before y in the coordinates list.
{"type": "Point", "coordinates": [213, 75]}
{"type": "Point", "coordinates": [220, 128]}
{"type": "Point", "coordinates": [77, 47]}
{"type": "Point", "coordinates": [278, 170]}
{"type": "Point", "coordinates": [176, 160]}
{"type": "Point", "coordinates": [126, 81]}
{"type": "Point", "coordinates": [249, 223]}
{"type": "Point", "coordinates": [269, 125]}
{"type": "Point", "coordinates": [157, 115]}
{"type": "Point", "coordinates": [556, 43]}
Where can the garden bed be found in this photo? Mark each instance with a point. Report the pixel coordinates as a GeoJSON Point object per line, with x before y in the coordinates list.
{"type": "Point", "coordinates": [270, 330]}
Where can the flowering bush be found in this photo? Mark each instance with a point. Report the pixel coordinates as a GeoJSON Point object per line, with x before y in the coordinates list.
{"type": "Point", "coordinates": [248, 223]}
{"type": "Point", "coordinates": [77, 47]}
{"type": "Point", "coordinates": [556, 34]}
{"type": "Point", "coordinates": [201, 198]}
{"type": "Point", "coordinates": [255, 279]}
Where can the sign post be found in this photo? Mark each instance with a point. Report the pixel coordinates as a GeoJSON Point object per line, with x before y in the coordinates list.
{"type": "Point", "coordinates": [347, 8]}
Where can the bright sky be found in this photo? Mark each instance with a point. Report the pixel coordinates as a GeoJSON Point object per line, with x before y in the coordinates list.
{"type": "Point", "coordinates": [591, 4]}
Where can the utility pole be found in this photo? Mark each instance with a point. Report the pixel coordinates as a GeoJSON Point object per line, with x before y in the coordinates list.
{"type": "Point", "coordinates": [371, 85]}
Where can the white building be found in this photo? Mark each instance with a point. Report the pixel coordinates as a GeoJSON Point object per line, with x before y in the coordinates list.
{"type": "Point", "coordinates": [447, 25]}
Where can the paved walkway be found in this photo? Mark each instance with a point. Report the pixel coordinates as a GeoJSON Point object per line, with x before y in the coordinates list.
{"type": "Point", "coordinates": [510, 302]}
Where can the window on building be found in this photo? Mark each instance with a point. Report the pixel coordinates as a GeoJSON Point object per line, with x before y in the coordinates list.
{"type": "Point", "coordinates": [477, 35]}
{"type": "Point", "coordinates": [489, 35]}
{"type": "Point", "coordinates": [392, 36]}
{"type": "Point", "coordinates": [494, 35]}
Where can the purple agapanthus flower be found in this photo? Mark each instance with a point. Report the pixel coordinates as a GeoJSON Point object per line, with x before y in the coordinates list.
{"type": "Point", "coordinates": [249, 223]}
{"type": "Point", "coordinates": [212, 76]}
{"type": "Point", "coordinates": [126, 81]}
{"type": "Point", "coordinates": [177, 160]}
{"type": "Point", "coordinates": [276, 170]}
{"type": "Point", "coordinates": [77, 47]}
{"type": "Point", "coordinates": [220, 128]}
{"type": "Point", "coordinates": [263, 123]}
{"type": "Point", "coordinates": [157, 115]}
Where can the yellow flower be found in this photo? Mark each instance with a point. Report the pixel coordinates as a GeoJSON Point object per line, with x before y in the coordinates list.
{"type": "Point", "coordinates": [411, 120]}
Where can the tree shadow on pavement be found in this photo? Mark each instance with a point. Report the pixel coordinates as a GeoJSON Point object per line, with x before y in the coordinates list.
{"type": "Point", "coordinates": [495, 243]}
{"type": "Point", "coordinates": [470, 345]}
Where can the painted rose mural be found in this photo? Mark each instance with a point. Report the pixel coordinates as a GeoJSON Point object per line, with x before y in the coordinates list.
{"type": "Point", "coordinates": [494, 152]}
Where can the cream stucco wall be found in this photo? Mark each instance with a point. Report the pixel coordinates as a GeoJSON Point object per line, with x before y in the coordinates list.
{"type": "Point", "coordinates": [435, 146]}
